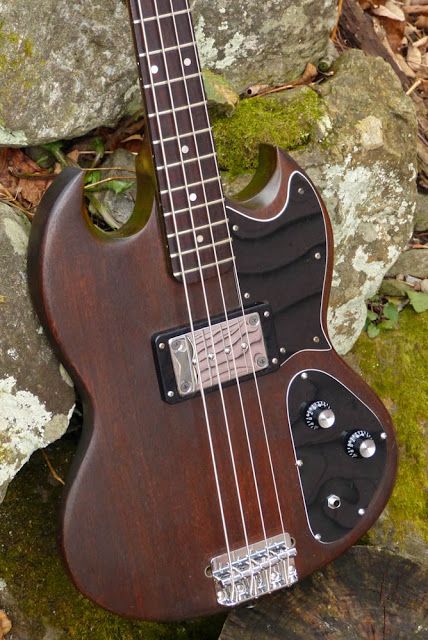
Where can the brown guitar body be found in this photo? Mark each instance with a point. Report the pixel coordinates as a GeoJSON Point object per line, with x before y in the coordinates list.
{"type": "Point", "coordinates": [141, 522]}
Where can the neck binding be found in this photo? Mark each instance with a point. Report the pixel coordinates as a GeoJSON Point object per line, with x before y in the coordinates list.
{"type": "Point", "coordinates": [190, 191]}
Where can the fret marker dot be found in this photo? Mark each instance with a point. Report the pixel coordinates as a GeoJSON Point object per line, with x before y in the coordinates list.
{"type": "Point", "coordinates": [193, 197]}
{"type": "Point", "coordinates": [155, 69]}
{"type": "Point", "coordinates": [200, 239]}
{"type": "Point", "coordinates": [185, 148]}
{"type": "Point", "coordinates": [187, 62]}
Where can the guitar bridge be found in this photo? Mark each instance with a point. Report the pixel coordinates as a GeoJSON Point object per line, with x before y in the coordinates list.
{"type": "Point", "coordinates": [216, 353]}
{"type": "Point", "coordinates": [254, 571]}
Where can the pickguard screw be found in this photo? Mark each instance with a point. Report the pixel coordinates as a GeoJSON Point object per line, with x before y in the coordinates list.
{"type": "Point", "coordinates": [161, 346]}
{"type": "Point", "coordinates": [361, 512]}
{"type": "Point", "coordinates": [246, 295]}
{"type": "Point", "coordinates": [383, 436]}
{"type": "Point", "coordinates": [283, 350]}
{"type": "Point", "coordinates": [318, 536]}
{"type": "Point", "coordinates": [274, 360]}
{"type": "Point", "coordinates": [318, 256]}
{"type": "Point", "coordinates": [171, 394]}
{"type": "Point", "coordinates": [299, 463]}
{"type": "Point", "coordinates": [316, 339]}
{"type": "Point", "coordinates": [304, 376]}
{"type": "Point", "coordinates": [301, 191]}
{"type": "Point", "coordinates": [235, 227]}
{"type": "Point", "coordinates": [267, 314]}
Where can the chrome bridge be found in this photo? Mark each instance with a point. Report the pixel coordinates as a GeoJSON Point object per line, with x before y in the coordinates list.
{"type": "Point", "coordinates": [218, 352]}
{"type": "Point", "coordinates": [256, 570]}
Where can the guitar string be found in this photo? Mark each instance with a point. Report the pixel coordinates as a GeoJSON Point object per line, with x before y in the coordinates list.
{"type": "Point", "coordinates": [237, 283]}
{"type": "Point", "coordinates": [189, 310]}
{"type": "Point", "coordinates": [248, 342]}
{"type": "Point", "coordinates": [220, 386]}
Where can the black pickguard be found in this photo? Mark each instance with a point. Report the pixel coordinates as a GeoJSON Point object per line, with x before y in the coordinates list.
{"type": "Point", "coordinates": [277, 264]}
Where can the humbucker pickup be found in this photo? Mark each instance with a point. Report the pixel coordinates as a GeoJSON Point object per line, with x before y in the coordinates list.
{"type": "Point", "coordinates": [219, 352]}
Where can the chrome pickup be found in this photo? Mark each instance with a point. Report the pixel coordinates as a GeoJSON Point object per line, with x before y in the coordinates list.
{"type": "Point", "coordinates": [254, 571]}
{"type": "Point", "coordinates": [215, 353]}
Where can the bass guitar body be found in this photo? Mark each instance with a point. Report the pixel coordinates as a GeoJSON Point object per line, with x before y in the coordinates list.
{"type": "Point", "coordinates": [227, 451]}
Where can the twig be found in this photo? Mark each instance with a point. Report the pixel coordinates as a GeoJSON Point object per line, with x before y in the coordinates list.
{"type": "Point", "coordinates": [111, 179]}
{"type": "Point", "coordinates": [336, 26]}
{"type": "Point", "coordinates": [52, 470]}
{"type": "Point", "coordinates": [414, 86]}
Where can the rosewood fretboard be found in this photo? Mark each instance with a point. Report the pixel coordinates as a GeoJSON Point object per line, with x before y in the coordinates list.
{"type": "Point", "coordinates": [190, 191]}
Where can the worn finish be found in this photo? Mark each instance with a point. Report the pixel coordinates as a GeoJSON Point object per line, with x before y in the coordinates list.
{"type": "Point", "coordinates": [141, 519]}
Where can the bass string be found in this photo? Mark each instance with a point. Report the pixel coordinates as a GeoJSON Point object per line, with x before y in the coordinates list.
{"type": "Point", "coordinates": [188, 304]}
{"type": "Point", "coordinates": [223, 403]}
{"type": "Point", "coordinates": [241, 400]}
{"type": "Point", "coordinates": [238, 289]}
{"type": "Point", "coordinates": [241, 306]}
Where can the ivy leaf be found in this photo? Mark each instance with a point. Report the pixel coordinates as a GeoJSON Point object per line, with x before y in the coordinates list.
{"type": "Point", "coordinates": [390, 311]}
{"type": "Point", "coordinates": [373, 330]}
{"type": "Point", "coordinates": [118, 186]}
{"type": "Point", "coordinates": [92, 177]}
{"type": "Point", "coordinates": [372, 316]}
{"type": "Point", "coordinates": [418, 300]}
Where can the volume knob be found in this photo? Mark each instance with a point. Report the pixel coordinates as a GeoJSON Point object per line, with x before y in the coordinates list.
{"type": "Point", "coordinates": [360, 444]}
{"type": "Point", "coordinates": [320, 415]}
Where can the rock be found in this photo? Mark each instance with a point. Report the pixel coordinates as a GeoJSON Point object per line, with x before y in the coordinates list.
{"type": "Point", "coordinates": [35, 589]}
{"type": "Point", "coordinates": [222, 99]}
{"type": "Point", "coordinates": [117, 205]}
{"type": "Point", "coordinates": [411, 263]}
{"type": "Point", "coordinates": [366, 593]}
{"type": "Point", "coordinates": [392, 287]}
{"type": "Point", "coordinates": [348, 137]}
{"type": "Point", "coordinates": [421, 215]}
{"type": "Point", "coordinates": [394, 364]}
{"type": "Point", "coordinates": [67, 68]}
{"type": "Point", "coordinates": [251, 42]}
{"type": "Point", "coordinates": [36, 398]}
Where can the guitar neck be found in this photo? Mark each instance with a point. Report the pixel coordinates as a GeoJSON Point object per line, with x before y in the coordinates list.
{"type": "Point", "coordinates": [190, 191]}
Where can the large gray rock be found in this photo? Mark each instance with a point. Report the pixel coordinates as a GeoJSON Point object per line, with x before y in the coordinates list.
{"type": "Point", "coordinates": [68, 67]}
{"type": "Point", "coordinates": [365, 168]}
{"type": "Point", "coordinates": [36, 397]}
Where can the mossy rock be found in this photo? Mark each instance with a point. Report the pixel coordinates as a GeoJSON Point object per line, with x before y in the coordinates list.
{"type": "Point", "coordinates": [395, 365]}
{"type": "Point", "coordinates": [35, 590]}
{"type": "Point", "coordinates": [288, 120]}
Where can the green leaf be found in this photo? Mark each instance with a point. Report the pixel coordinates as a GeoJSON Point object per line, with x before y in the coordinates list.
{"type": "Point", "coordinates": [390, 311]}
{"type": "Point", "coordinates": [418, 300]}
{"type": "Point", "coordinates": [92, 177]}
{"type": "Point", "coordinates": [387, 324]}
{"type": "Point", "coordinates": [373, 330]}
{"type": "Point", "coordinates": [118, 186]}
{"type": "Point", "coordinates": [371, 315]}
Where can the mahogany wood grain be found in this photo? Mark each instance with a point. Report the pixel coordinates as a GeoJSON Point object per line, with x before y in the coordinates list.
{"type": "Point", "coordinates": [141, 519]}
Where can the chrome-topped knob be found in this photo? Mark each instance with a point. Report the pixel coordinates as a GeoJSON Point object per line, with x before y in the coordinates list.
{"type": "Point", "coordinates": [361, 444]}
{"type": "Point", "coordinates": [319, 415]}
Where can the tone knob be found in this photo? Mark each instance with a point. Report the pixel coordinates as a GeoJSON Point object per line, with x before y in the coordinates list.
{"type": "Point", "coordinates": [360, 444]}
{"type": "Point", "coordinates": [320, 415]}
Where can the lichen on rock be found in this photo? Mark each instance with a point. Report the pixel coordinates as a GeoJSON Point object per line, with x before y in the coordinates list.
{"type": "Point", "coordinates": [35, 402]}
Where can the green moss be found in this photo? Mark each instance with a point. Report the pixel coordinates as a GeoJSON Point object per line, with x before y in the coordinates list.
{"type": "Point", "coordinates": [33, 571]}
{"type": "Point", "coordinates": [13, 50]}
{"type": "Point", "coordinates": [286, 120]}
{"type": "Point", "coordinates": [395, 365]}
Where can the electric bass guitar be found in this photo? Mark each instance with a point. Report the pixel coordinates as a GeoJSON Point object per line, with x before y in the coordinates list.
{"type": "Point", "coordinates": [227, 451]}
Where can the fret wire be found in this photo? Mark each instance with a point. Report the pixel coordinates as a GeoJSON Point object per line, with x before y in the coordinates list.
{"type": "Point", "coordinates": [164, 83]}
{"type": "Point", "coordinates": [202, 248]}
{"type": "Point", "coordinates": [163, 15]}
{"type": "Point", "coordinates": [181, 135]}
{"type": "Point", "coordinates": [205, 266]}
{"type": "Point", "coordinates": [198, 206]}
{"type": "Point", "coordinates": [183, 108]}
{"type": "Point", "coordinates": [202, 227]}
{"type": "Point", "coordinates": [144, 54]}
{"type": "Point", "coordinates": [188, 186]}
{"type": "Point", "coordinates": [207, 156]}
